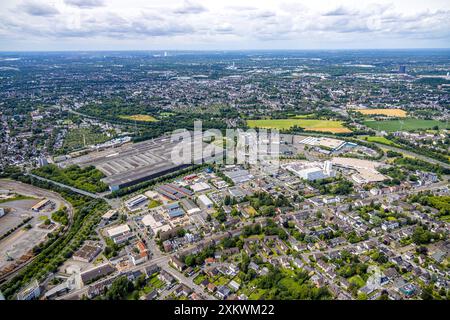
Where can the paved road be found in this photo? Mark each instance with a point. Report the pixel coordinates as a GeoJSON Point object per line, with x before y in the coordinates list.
{"type": "Point", "coordinates": [83, 291]}
{"type": "Point", "coordinates": [187, 281]}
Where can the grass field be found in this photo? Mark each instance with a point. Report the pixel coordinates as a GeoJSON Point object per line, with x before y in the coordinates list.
{"type": "Point", "coordinates": [385, 112]}
{"type": "Point", "coordinates": [154, 204]}
{"type": "Point", "coordinates": [405, 125]}
{"type": "Point", "coordinates": [75, 138]}
{"type": "Point", "coordinates": [357, 280]}
{"type": "Point", "coordinates": [307, 124]}
{"type": "Point", "coordinates": [382, 140]}
{"type": "Point", "coordinates": [140, 117]}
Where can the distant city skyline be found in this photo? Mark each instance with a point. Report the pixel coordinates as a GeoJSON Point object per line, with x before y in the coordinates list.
{"type": "Point", "coordinates": [61, 25]}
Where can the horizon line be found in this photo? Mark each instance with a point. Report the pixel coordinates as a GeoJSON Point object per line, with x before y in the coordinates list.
{"type": "Point", "coordinates": [221, 50]}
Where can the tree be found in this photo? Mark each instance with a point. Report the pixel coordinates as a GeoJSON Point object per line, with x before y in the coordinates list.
{"type": "Point", "coordinates": [189, 260]}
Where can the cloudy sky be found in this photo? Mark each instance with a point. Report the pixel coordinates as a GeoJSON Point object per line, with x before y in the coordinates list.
{"type": "Point", "coordinates": [228, 24]}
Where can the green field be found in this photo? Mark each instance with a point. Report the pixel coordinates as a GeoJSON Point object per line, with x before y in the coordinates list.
{"type": "Point", "coordinates": [307, 124]}
{"type": "Point", "coordinates": [382, 140]}
{"type": "Point", "coordinates": [357, 280]}
{"type": "Point", "coordinates": [405, 125]}
{"type": "Point", "coordinates": [88, 179]}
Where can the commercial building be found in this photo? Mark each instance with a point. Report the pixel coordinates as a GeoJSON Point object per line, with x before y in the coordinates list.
{"type": "Point", "coordinates": [120, 233]}
{"type": "Point", "coordinates": [96, 273]}
{"type": "Point", "coordinates": [189, 206]}
{"type": "Point", "coordinates": [173, 192]}
{"type": "Point", "coordinates": [200, 186]}
{"type": "Point", "coordinates": [312, 171]}
{"type": "Point", "coordinates": [110, 214]}
{"type": "Point", "coordinates": [174, 210]}
{"type": "Point", "coordinates": [366, 170]}
{"type": "Point", "coordinates": [329, 143]}
{"type": "Point", "coordinates": [87, 252]}
{"type": "Point", "coordinates": [149, 221]}
{"type": "Point", "coordinates": [239, 176]}
{"type": "Point", "coordinates": [30, 292]}
{"type": "Point", "coordinates": [134, 202]}
{"type": "Point", "coordinates": [205, 202]}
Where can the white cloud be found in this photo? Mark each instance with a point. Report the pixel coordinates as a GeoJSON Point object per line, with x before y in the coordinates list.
{"type": "Point", "coordinates": [236, 24]}
{"type": "Point", "coordinates": [35, 8]}
{"type": "Point", "coordinates": [85, 3]}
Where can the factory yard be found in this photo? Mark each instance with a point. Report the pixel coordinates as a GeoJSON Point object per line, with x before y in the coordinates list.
{"type": "Point", "coordinates": [17, 240]}
{"type": "Point", "coordinates": [19, 210]}
{"type": "Point", "coordinates": [307, 124]}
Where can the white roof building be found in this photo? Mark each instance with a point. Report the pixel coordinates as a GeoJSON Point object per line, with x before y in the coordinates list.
{"type": "Point", "coordinates": [205, 201]}
{"type": "Point", "coordinates": [312, 170]}
{"type": "Point", "coordinates": [118, 231]}
{"type": "Point", "coordinates": [200, 186]}
{"type": "Point", "coordinates": [150, 222]}
{"type": "Point", "coordinates": [133, 202]}
{"type": "Point", "coordinates": [110, 214]}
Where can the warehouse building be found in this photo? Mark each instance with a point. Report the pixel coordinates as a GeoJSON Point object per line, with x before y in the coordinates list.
{"type": "Point", "coordinates": [131, 164]}
{"type": "Point", "coordinates": [189, 206]}
{"type": "Point", "coordinates": [174, 210]}
{"type": "Point", "coordinates": [135, 201]}
{"type": "Point", "coordinates": [312, 170]}
{"type": "Point", "coordinates": [97, 273]}
{"type": "Point", "coordinates": [173, 192]}
{"type": "Point", "coordinates": [120, 233]}
{"type": "Point", "coordinates": [205, 202]}
{"type": "Point", "coordinates": [87, 252]}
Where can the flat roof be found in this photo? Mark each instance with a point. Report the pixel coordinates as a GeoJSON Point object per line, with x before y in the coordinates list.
{"type": "Point", "coordinates": [118, 230]}
{"type": "Point", "coordinates": [206, 201]}
{"type": "Point", "coordinates": [132, 162]}
{"type": "Point", "coordinates": [176, 213]}
{"type": "Point", "coordinates": [200, 186]}
{"type": "Point", "coordinates": [323, 141]}
{"type": "Point", "coordinates": [87, 251]}
{"type": "Point", "coordinates": [109, 214]}
{"type": "Point", "coordinates": [135, 200]}
{"type": "Point", "coordinates": [149, 221]}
